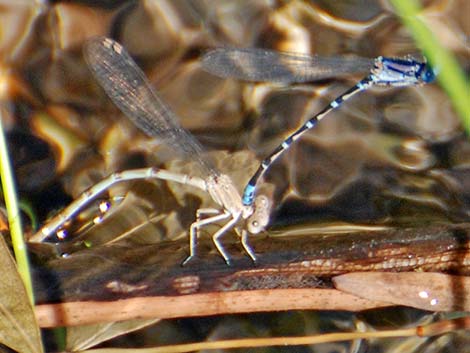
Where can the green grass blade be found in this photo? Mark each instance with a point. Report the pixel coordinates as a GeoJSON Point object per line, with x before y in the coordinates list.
{"type": "Point", "coordinates": [451, 76]}
{"type": "Point", "coordinates": [14, 218]}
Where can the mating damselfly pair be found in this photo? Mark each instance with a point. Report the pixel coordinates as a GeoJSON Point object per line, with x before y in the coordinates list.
{"type": "Point", "coordinates": [132, 93]}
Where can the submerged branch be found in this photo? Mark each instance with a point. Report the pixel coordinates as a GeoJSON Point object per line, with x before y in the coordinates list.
{"type": "Point", "coordinates": [118, 277]}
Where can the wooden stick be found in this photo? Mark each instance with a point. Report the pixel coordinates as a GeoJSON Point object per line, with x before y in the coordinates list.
{"type": "Point", "coordinates": [91, 312]}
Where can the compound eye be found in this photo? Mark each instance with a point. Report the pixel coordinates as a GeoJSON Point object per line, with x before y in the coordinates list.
{"type": "Point", "coordinates": [254, 226]}
{"type": "Point", "coordinates": [428, 75]}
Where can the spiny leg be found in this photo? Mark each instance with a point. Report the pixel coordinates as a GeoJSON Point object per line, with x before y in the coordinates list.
{"type": "Point", "coordinates": [222, 231]}
{"type": "Point", "coordinates": [249, 250]}
{"type": "Point", "coordinates": [194, 230]}
{"type": "Point", "coordinates": [194, 235]}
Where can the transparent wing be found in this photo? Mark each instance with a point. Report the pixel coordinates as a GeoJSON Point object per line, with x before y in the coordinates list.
{"type": "Point", "coordinates": [254, 64]}
{"type": "Point", "coordinates": [131, 92]}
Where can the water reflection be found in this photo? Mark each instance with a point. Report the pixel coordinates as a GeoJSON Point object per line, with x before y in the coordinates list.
{"type": "Point", "coordinates": [387, 158]}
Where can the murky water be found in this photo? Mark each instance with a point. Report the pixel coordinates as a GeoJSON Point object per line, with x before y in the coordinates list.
{"type": "Point", "coordinates": [392, 157]}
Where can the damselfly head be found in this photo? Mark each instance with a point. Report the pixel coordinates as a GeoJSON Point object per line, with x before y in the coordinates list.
{"type": "Point", "coordinates": [426, 73]}
{"type": "Point", "coordinates": [258, 221]}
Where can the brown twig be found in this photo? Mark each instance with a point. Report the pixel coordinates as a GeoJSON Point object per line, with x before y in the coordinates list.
{"type": "Point", "coordinates": [116, 277]}
{"type": "Point", "coordinates": [89, 312]}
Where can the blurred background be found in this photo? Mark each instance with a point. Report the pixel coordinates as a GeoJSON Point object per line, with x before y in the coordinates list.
{"type": "Point", "coordinates": [394, 157]}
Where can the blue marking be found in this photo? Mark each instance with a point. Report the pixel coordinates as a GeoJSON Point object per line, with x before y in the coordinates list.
{"type": "Point", "coordinates": [248, 195]}
{"type": "Point", "coordinates": [426, 74]}
{"type": "Point", "coordinates": [361, 86]}
{"type": "Point", "coordinates": [410, 70]}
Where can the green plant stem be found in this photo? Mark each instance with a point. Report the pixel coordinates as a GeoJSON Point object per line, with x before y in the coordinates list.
{"type": "Point", "coordinates": [451, 77]}
{"type": "Point", "coordinates": [14, 219]}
